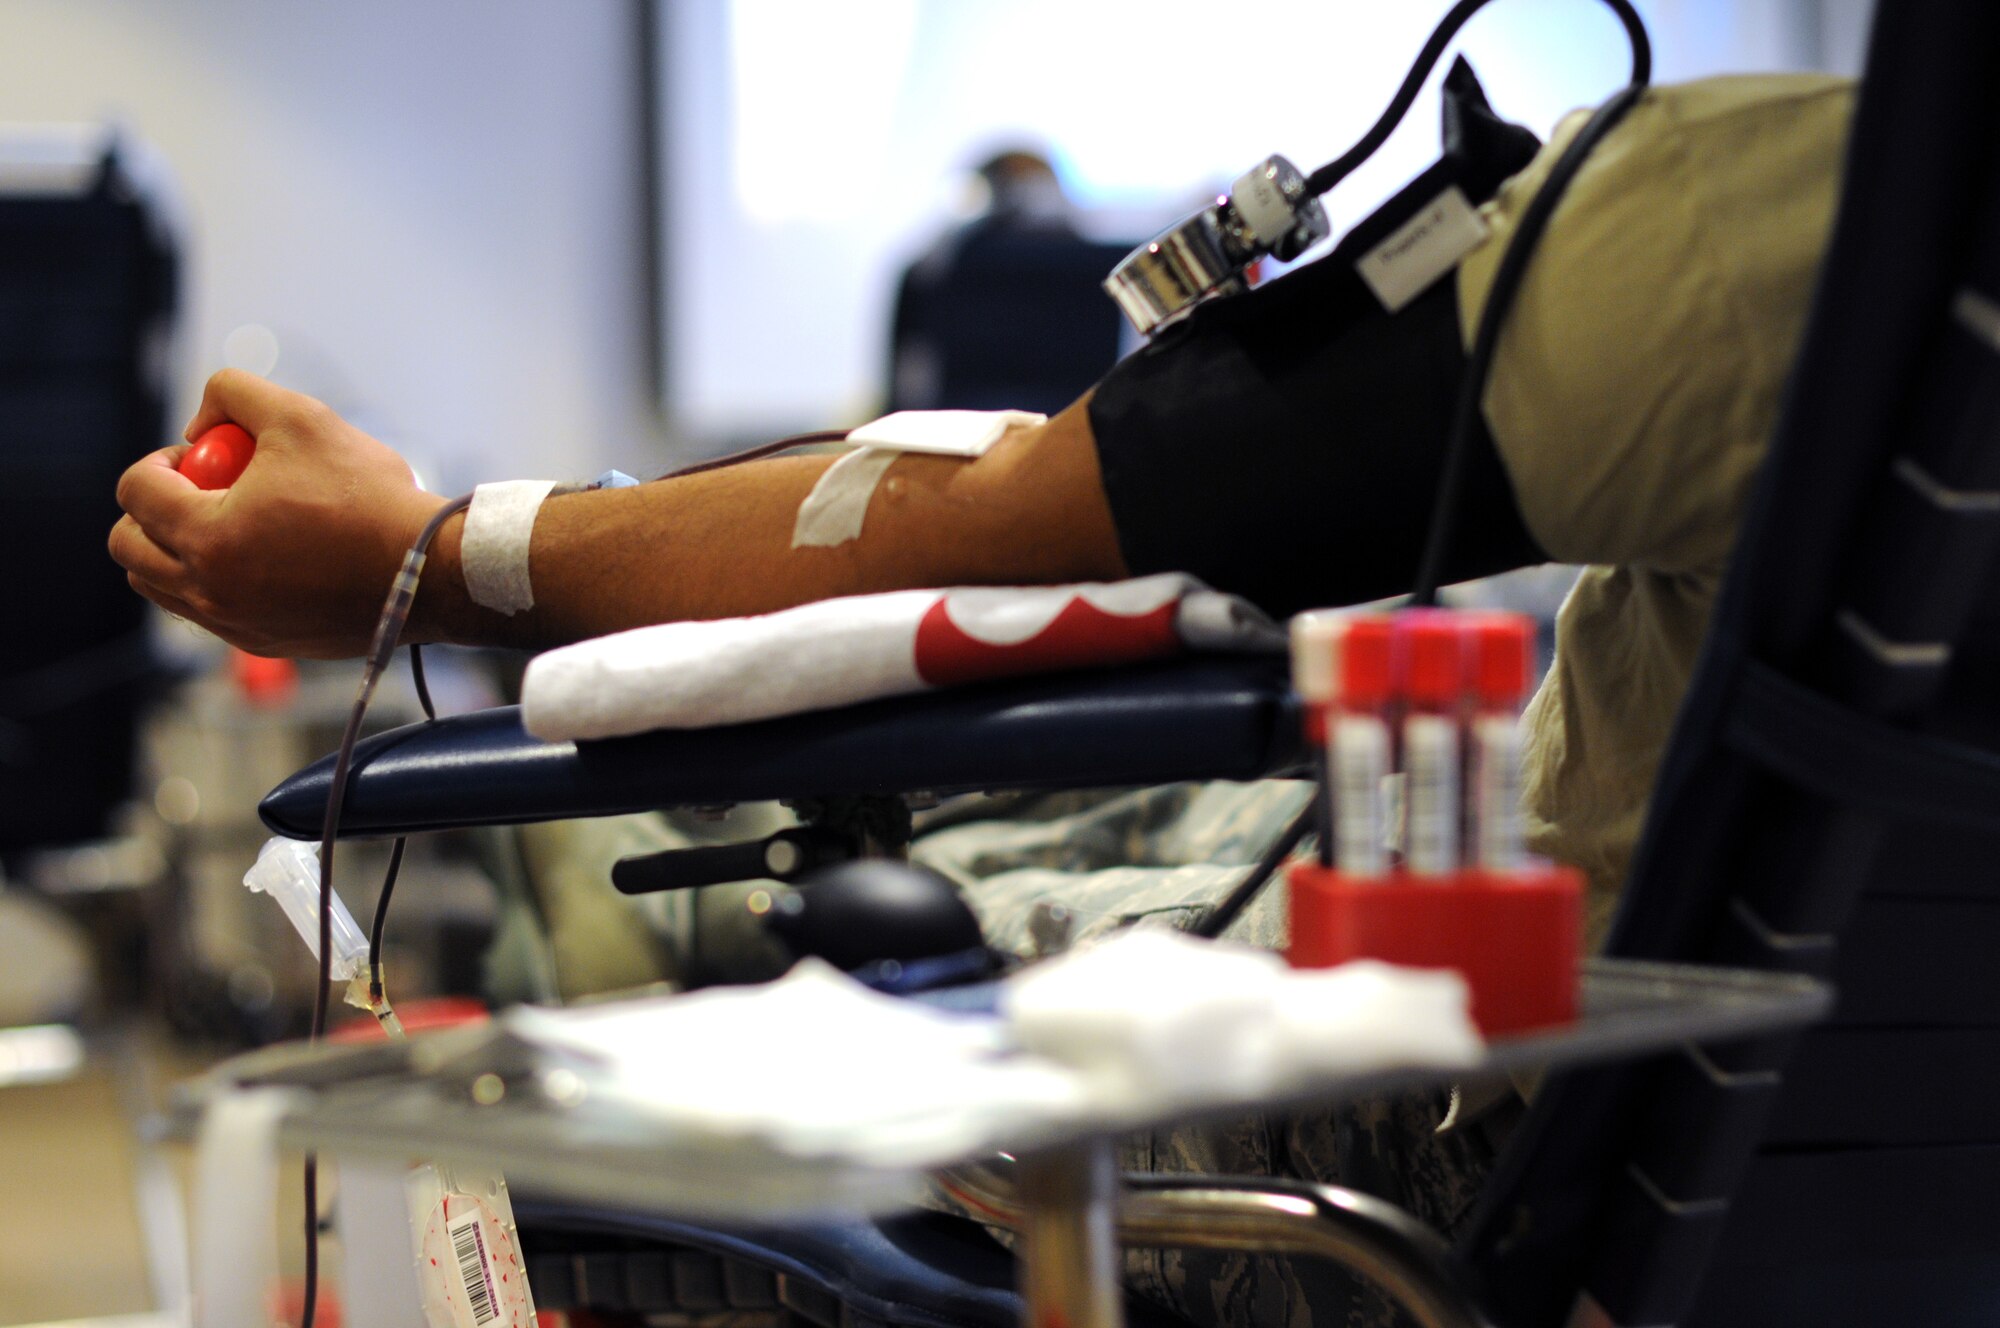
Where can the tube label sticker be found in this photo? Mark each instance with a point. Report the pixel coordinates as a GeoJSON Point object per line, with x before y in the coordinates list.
{"type": "Point", "coordinates": [1360, 763]}
{"type": "Point", "coordinates": [1430, 750]}
{"type": "Point", "coordinates": [1496, 805]}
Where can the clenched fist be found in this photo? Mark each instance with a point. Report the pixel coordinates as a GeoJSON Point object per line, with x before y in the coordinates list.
{"type": "Point", "coordinates": [295, 558]}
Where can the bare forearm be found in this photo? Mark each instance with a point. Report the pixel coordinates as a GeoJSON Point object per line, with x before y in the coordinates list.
{"type": "Point", "coordinates": [718, 544]}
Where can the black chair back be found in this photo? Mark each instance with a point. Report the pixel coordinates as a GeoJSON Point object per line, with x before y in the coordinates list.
{"type": "Point", "coordinates": [87, 292]}
{"type": "Point", "coordinates": [1829, 804]}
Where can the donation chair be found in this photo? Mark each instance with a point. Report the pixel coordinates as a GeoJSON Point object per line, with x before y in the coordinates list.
{"type": "Point", "coordinates": [849, 771]}
{"type": "Point", "coordinates": [1829, 804]}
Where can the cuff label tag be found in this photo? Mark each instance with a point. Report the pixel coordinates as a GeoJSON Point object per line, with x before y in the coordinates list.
{"type": "Point", "coordinates": [1422, 249]}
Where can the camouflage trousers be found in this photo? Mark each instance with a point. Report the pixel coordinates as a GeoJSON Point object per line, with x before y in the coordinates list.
{"type": "Point", "coordinates": [1149, 857]}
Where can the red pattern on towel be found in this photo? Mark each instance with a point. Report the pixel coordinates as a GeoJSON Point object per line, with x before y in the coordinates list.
{"type": "Point", "coordinates": [1080, 635]}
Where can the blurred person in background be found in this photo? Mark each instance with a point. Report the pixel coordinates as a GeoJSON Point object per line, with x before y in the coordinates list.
{"type": "Point", "coordinates": [1004, 311]}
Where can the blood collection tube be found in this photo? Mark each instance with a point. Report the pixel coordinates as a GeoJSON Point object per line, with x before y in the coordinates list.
{"type": "Point", "coordinates": [1501, 646]}
{"type": "Point", "coordinates": [1316, 639]}
{"type": "Point", "coordinates": [1433, 688]}
{"type": "Point", "coordinates": [1360, 745]}
{"type": "Point", "coordinates": [1509, 924]}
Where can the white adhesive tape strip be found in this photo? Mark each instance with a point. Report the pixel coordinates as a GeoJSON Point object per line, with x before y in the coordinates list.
{"type": "Point", "coordinates": [493, 552]}
{"type": "Point", "coordinates": [835, 509]}
{"type": "Point", "coordinates": [833, 512]}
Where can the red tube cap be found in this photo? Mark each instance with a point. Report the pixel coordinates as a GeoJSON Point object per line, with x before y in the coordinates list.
{"type": "Point", "coordinates": [1433, 659]}
{"type": "Point", "coordinates": [1502, 647]}
{"type": "Point", "coordinates": [1365, 664]}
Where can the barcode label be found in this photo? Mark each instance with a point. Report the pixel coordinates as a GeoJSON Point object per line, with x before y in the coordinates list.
{"type": "Point", "coordinates": [1361, 761]}
{"type": "Point", "coordinates": [1497, 796]}
{"type": "Point", "coordinates": [468, 1246]}
{"type": "Point", "coordinates": [1430, 752]}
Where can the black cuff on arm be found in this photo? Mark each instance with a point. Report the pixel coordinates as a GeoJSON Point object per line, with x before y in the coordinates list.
{"type": "Point", "coordinates": [1285, 445]}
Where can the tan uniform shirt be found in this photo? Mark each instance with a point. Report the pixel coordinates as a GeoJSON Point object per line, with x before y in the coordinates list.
{"type": "Point", "coordinates": [1633, 394]}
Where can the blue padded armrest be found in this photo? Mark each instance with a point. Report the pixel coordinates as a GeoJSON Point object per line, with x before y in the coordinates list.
{"type": "Point", "coordinates": [1205, 718]}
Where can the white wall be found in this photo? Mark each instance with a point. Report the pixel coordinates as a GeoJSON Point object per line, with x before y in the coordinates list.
{"type": "Point", "coordinates": [1843, 33]}
{"type": "Point", "coordinates": [814, 141]}
{"type": "Point", "coordinates": [438, 206]}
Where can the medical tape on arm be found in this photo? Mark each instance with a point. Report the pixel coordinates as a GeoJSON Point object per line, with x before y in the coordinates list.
{"type": "Point", "coordinates": [493, 551]}
{"type": "Point", "coordinates": [834, 511]}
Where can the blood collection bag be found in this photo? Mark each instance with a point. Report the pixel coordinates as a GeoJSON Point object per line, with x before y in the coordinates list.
{"type": "Point", "coordinates": [469, 1264]}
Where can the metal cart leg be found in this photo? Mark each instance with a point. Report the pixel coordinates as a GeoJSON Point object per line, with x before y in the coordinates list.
{"type": "Point", "coordinates": [1068, 1203]}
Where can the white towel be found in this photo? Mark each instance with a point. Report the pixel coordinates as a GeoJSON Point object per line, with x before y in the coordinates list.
{"type": "Point", "coordinates": [1143, 1027]}
{"type": "Point", "coordinates": [841, 651]}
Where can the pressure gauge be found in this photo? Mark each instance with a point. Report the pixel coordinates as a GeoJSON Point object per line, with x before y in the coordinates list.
{"type": "Point", "coordinates": [1266, 212]}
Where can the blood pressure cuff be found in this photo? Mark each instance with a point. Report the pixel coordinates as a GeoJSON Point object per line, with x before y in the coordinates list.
{"type": "Point", "coordinates": [1286, 444]}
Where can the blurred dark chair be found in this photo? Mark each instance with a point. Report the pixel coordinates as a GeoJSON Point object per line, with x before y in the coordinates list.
{"type": "Point", "coordinates": [88, 278]}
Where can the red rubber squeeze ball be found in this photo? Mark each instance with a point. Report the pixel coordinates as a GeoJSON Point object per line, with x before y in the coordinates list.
{"type": "Point", "coordinates": [218, 457]}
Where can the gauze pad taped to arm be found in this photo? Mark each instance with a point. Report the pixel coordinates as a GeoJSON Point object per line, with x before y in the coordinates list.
{"type": "Point", "coordinates": [960, 433]}
{"type": "Point", "coordinates": [493, 551]}
{"type": "Point", "coordinates": [834, 511]}
{"type": "Point", "coordinates": [1285, 444]}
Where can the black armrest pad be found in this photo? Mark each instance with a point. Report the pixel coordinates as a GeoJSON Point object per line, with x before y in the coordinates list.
{"type": "Point", "coordinates": [1205, 718]}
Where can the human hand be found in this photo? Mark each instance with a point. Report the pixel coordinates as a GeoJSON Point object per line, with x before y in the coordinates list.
{"type": "Point", "coordinates": [297, 556]}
